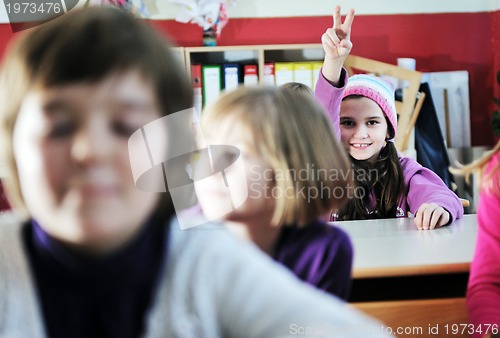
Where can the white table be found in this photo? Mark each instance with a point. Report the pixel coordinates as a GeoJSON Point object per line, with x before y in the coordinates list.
{"type": "Point", "coordinates": [395, 247]}
{"type": "Point", "coordinates": [392, 257]}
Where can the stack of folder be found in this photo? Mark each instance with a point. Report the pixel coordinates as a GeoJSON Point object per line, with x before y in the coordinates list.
{"type": "Point", "coordinates": [209, 80]}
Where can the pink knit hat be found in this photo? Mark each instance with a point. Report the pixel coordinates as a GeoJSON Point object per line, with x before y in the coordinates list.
{"type": "Point", "coordinates": [379, 90]}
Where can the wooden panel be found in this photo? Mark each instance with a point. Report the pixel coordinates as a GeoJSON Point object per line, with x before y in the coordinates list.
{"type": "Point", "coordinates": [420, 318]}
{"type": "Point", "coordinates": [411, 270]}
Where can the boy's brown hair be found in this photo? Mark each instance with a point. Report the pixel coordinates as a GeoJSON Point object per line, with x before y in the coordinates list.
{"type": "Point", "coordinates": [85, 46]}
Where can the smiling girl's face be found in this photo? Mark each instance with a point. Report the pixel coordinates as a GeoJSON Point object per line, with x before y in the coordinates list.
{"type": "Point", "coordinates": [363, 127]}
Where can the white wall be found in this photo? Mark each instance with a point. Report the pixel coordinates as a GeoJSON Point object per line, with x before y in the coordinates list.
{"type": "Point", "coordinates": [163, 9]}
{"type": "Point", "coordinates": [290, 8]}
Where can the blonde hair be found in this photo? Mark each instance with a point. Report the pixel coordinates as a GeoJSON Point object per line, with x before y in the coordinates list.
{"type": "Point", "coordinates": [291, 132]}
{"type": "Point", "coordinates": [490, 180]}
{"type": "Point", "coordinates": [298, 87]}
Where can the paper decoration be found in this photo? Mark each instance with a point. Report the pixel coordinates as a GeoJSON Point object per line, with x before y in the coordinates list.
{"type": "Point", "coordinates": [204, 13]}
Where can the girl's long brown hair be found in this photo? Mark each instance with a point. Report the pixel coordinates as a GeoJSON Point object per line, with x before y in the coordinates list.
{"type": "Point", "coordinates": [384, 179]}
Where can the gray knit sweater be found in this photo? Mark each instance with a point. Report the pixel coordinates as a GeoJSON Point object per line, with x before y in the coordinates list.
{"type": "Point", "coordinates": [213, 286]}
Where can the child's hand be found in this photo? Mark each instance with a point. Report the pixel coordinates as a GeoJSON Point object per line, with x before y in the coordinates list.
{"type": "Point", "coordinates": [430, 216]}
{"type": "Point", "coordinates": [337, 39]}
{"type": "Point", "coordinates": [337, 45]}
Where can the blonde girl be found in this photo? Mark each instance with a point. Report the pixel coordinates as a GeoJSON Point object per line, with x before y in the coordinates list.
{"type": "Point", "coordinates": [283, 136]}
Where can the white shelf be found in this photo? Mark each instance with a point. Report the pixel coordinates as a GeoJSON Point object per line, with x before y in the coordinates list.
{"type": "Point", "coordinates": [258, 54]}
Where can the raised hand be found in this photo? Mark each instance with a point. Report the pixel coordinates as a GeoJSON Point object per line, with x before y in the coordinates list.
{"type": "Point", "coordinates": [337, 39]}
{"type": "Point", "coordinates": [337, 45]}
{"type": "Point", "coordinates": [430, 216]}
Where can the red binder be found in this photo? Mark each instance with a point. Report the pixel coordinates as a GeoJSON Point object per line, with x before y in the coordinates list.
{"type": "Point", "coordinates": [250, 77]}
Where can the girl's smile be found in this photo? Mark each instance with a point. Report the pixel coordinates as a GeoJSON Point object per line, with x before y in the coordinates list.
{"type": "Point", "coordinates": [363, 127]}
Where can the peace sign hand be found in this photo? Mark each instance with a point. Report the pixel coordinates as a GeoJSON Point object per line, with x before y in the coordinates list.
{"type": "Point", "coordinates": [337, 39]}
{"type": "Point", "coordinates": [337, 45]}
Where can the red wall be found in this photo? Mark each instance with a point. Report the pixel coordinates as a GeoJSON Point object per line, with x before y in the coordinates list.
{"type": "Point", "coordinates": [439, 42]}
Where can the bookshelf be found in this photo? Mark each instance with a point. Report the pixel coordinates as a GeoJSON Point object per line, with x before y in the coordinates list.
{"type": "Point", "coordinates": [218, 68]}
{"type": "Point", "coordinates": [253, 54]}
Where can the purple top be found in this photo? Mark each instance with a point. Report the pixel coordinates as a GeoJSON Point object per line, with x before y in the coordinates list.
{"type": "Point", "coordinates": [319, 254]}
{"type": "Point", "coordinates": [83, 297]}
{"type": "Point", "coordinates": [424, 186]}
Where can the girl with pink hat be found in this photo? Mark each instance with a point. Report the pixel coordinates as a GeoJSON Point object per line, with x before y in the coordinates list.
{"type": "Point", "coordinates": [363, 113]}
